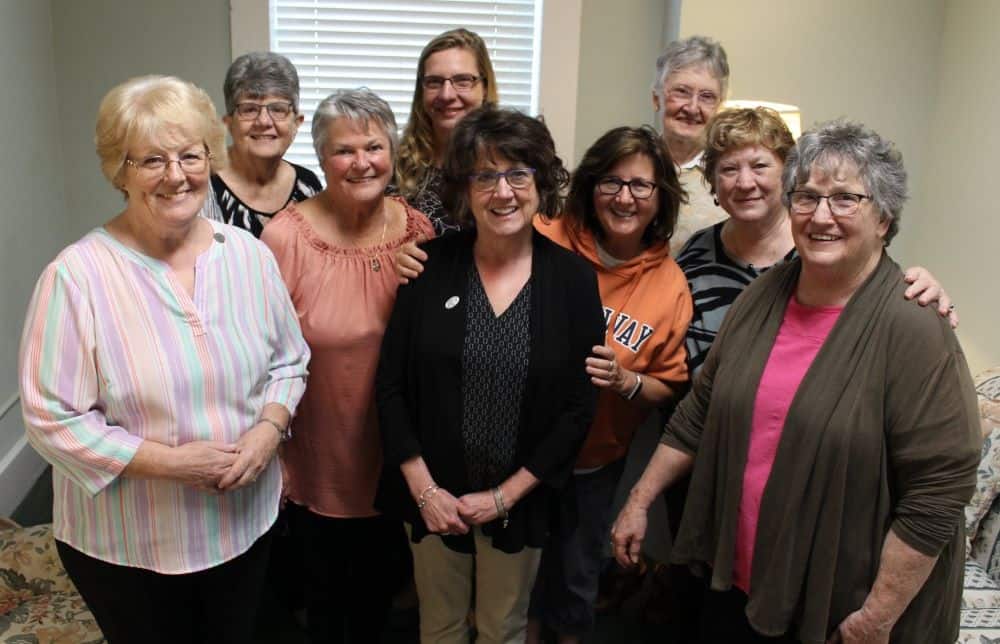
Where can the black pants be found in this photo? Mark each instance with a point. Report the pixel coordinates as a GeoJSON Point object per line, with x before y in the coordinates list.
{"type": "Point", "coordinates": [724, 621]}
{"type": "Point", "coordinates": [353, 567]}
{"type": "Point", "coordinates": [133, 605]}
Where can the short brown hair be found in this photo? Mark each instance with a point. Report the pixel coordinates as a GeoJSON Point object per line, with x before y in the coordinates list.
{"type": "Point", "coordinates": [516, 137]}
{"type": "Point", "coordinates": [737, 128]}
{"type": "Point", "coordinates": [613, 146]}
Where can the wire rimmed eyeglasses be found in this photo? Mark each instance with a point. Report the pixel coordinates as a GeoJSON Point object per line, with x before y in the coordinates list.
{"type": "Point", "coordinates": [516, 178]}
{"type": "Point", "coordinates": [841, 204]}
{"type": "Point", "coordinates": [250, 111]}
{"type": "Point", "coordinates": [156, 165]}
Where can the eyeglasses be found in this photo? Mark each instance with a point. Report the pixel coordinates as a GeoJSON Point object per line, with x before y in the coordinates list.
{"type": "Point", "coordinates": [842, 204]}
{"type": "Point", "coordinates": [640, 188]}
{"type": "Point", "coordinates": [461, 82]}
{"type": "Point", "coordinates": [279, 110]}
{"type": "Point", "coordinates": [156, 166]}
{"type": "Point", "coordinates": [517, 178]}
{"type": "Point", "coordinates": [684, 94]}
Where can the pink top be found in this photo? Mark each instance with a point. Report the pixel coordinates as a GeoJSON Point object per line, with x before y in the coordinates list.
{"type": "Point", "coordinates": [334, 458]}
{"type": "Point", "coordinates": [802, 333]}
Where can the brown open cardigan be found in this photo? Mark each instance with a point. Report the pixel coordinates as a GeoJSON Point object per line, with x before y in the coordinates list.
{"type": "Point", "coordinates": [881, 435]}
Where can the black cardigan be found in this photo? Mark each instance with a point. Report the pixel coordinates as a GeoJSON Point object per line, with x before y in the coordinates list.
{"type": "Point", "coordinates": [419, 384]}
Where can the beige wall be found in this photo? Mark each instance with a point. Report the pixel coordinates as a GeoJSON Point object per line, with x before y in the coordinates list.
{"type": "Point", "coordinates": [959, 230]}
{"type": "Point", "coordinates": [881, 73]}
{"type": "Point", "coordinates": [619, 43]}
{"type": "Point", "coordinates": [34, 213]}
{"type": "Point", "coordinates": [920, 72]}
{"type": "Point", "coordinates": [100, 43]}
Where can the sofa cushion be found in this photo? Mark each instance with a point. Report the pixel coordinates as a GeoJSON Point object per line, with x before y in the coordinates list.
{"type": "Point", "coordinates": [988, 474]}
{"type": "Point", "coordinates": [980, 614]}
{"type": "Point", "coordinates": [985, 549]}
{"type": "Point", "coordinates": [55, 618]}
{"type": "Point", "coordinates": [29, 563]}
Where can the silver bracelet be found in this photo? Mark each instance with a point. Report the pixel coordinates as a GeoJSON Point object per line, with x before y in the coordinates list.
{"type": "Point", "coordinates": [501, 508]}
{"type": "Point", "coordinates": [284, 433]}
{"type": "Point", "coordinates": [635, 389]}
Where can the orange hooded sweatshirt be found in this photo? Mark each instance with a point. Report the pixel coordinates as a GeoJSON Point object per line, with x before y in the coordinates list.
{"type": "Point", "coordinates": [647, 309]}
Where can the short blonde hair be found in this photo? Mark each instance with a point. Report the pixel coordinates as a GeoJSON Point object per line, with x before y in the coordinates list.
{"type": "Point", "coordinates": [143, 108]}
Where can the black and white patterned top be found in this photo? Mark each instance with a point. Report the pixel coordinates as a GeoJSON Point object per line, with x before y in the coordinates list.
{"type": "Point", "coordinates": [494, 370]}
{"type": "Point", "coordinates": [429, 200]}
{"type": "Point", "coordinates": [715, 280]}
{"type": "Point", "coordinates": [223, 204]}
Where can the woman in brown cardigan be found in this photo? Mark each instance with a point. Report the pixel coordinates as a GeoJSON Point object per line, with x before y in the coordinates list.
{"type": "Point", "coordinates": [831, 434]}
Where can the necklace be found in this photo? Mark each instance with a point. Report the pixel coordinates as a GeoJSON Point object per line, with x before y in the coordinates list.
{"type": "Point", "coordinates": [374, 262]}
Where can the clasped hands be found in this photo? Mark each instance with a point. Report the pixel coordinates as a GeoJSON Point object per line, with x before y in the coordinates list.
{"type": "Point", "coordinates": [445, 514]}
{"type": "Point", "coordinates": [223, 467]}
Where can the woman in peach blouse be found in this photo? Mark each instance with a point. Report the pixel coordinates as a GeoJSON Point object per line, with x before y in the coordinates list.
{"type": "Point", "coordinates": [334, 251]}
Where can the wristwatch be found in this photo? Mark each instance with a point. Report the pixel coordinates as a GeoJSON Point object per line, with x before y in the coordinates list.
{"type": "Point", "coordinates": [285, 433]}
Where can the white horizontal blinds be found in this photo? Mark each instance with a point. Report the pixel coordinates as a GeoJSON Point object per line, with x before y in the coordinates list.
{"type": "Point", "coordinates": [354, 43]}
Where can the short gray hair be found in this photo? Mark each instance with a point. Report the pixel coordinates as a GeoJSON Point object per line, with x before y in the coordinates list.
{"type": "Point", "coordinates": [259, 74]}
{"type": "Point", "coordinates": [696, 51]}
{"type": "Point", "coordinates": [359, 105]}
{"type": "Point", "coordinates": [879, 165]}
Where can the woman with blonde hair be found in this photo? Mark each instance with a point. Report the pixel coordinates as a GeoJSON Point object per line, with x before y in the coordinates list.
{"type": "Point", "coordinates": [160, 365]}
{"type": "Point", "coordinates": [454, 77]}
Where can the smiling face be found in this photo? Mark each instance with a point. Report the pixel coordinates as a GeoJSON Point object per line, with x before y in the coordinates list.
{"type": "Point", "coordinates": [691, 96]}
{"type": "Point", "coordinates": [356, 161]}
{"type": "Point", "coordinates": [748, 183]}
{"type": "Point", "coordinates": [446, 106]}
{"type": "Point", "coordinates": [263, 137]}
{"type": "Point", "coordinates": [502, 212]}
{"type": "Point", "coordinates": [170, 198]}
{"type": "Point", "coordinates": [622, 217]}
{"type": "Point", "coordinates": [845, 246]}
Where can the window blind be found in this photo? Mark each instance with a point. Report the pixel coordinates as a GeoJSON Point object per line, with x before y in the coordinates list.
{"type": "Point", "coordinates": [354, 43]}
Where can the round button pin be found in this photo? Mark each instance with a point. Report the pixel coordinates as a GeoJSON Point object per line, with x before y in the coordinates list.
{"type": "Point", "coordinates": [451, 302]}
{"type": "Point", "coordinates": [219, 237]}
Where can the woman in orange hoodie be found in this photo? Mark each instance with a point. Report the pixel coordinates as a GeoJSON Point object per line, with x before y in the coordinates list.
{"type": "Point", "coordinates": [621, 212]}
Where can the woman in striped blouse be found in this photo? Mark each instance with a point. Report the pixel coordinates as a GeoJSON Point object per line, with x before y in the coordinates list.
{"type": "Point", "coordinates": [160, 364]}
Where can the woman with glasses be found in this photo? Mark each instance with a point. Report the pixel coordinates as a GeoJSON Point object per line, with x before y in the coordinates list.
{"type": "Point", "coordinates": [482, 395]}
{"type": "Point", "coordinates": [262, 115]}
{"type": "Point", "coordinates": [831, 434]}
{"type": "Point", "coordinates": [334, 251]}
{"type": "Point", "coordinates": [160, 365]}
{"type": "Point", "coordinates": [620, 215]}
{"type": "Point", "coordinates": [454, 77]}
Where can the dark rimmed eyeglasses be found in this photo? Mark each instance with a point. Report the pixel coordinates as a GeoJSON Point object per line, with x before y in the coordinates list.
{"type": "Point", "coordinates": [841, 204]}
{"type": "Point", "coordinates": [640, 188]}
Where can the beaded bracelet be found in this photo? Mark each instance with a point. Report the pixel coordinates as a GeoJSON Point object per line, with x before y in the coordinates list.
{"type": "Point", "coordinates": [426, 495]}
{"type": "Point", "coordinates": [501, 508]}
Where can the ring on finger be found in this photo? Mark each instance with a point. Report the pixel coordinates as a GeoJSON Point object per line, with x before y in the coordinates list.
{"type": "Point", "coordinates": [951, 307]}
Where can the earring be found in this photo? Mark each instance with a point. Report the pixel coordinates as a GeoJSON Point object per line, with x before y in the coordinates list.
{"type": "Point", "coordinates": [716, 200]}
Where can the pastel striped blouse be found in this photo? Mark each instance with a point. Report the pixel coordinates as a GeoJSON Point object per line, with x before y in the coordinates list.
{"type": "Point", "coordinates": [115, 352]}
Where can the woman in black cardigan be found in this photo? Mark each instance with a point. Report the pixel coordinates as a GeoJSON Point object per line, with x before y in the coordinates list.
{"type": "Point", "coordinates": [483, 400]}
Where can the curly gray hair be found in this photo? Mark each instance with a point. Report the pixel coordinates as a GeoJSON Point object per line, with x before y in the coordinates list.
{"type": "Point", "coordinates": [692, 52]}
{"type": "Point", "coordinates": [359, 105]}
{"type": "Point", "coordinates": [878, 162]}
{"type": "Point", "coordinates": [259, 74]}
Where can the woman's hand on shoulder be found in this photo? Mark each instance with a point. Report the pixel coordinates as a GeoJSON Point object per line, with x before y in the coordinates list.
{"type": "Point", "coordinates": [927, 290]}
{"type": "Point", "coordinates": [478, 508]}
{"type": "Point", "coordinates": [605, 372]}
{"type": "Point", "coordinates": [409, 262]}
{"type": "Point", "coordinates": [255, 450]}
{"type": "Point", "coordinates": [440, 514]}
